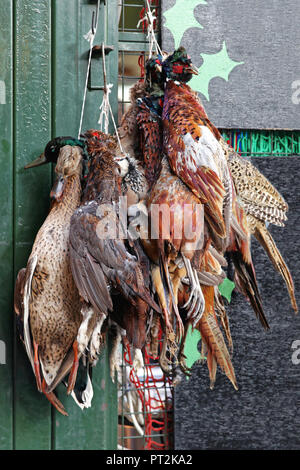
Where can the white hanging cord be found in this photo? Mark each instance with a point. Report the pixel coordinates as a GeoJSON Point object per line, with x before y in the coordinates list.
{"type": "Point", "coordinates": [149, 18]}
{"type": "Point", "coordinates": [90, 36]}
{"type": "Point", "coordinates": [105, 107]}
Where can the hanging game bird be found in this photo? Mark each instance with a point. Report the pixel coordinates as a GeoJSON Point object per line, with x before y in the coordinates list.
{"type": "Point", "coordinates": [47, 303]}
{"type": "Point", "coordinates": [168, 153]}
{"type": "Point", "coordinates": [104, 263]}
{"type": "Point", "coordinates": [262, 204]}
{"type": "Point", "coordinates": [194, 153]}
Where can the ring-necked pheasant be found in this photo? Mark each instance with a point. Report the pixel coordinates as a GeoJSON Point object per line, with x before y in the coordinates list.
{"type": "Point", "coordinates": [262, 204]}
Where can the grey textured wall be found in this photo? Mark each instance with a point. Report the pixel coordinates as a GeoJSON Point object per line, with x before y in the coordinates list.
{"type": "Point", "coordinates": [264, 92]}
{"type": "Point", "coordinates": [265, 412]}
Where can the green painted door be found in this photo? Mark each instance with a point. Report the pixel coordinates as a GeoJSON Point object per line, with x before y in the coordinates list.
{"type": "Point", "coordinates": [43, 60]}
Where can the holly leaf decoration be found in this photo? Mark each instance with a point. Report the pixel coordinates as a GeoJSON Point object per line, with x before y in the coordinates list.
{"type": "Point", "coordinates": [226, 289]}
{"type": "Point", "coordinates": [181, 17]}
{"type": "Point", "coordinates": [191, 347]}
{"type": "Point", "coordinates": [214, 65]}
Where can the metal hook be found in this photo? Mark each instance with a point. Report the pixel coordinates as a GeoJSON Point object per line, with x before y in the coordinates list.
{"type": "Point", "coordinates": [97, 52]}
{"type": "Point", "coordinates": [93, 23]}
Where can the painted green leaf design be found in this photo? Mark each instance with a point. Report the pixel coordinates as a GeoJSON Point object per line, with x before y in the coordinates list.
{"type": "Point", "coordinates": [181, 17]}
{"type": "Point", "coordinates": [214, 65]}
{"type": "Point", "coordinates": [191, 347]}
{"type": "Point", "coordinates": [226, 289]}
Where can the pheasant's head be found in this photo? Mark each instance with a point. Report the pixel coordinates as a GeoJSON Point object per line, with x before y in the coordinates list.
{"type": "Point", "coordinates": [178, 66]}
{"type": "Point", "coordinates": [52, 150]}
{"type": "Point", "coordinates": [154, 75]}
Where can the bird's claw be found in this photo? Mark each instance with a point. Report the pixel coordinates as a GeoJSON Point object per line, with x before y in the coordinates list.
{"type": "Point", "coordinates": [196, 302]}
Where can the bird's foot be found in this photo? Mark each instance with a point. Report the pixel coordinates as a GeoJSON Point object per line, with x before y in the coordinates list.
{"type": "Point", "coordinates": [177, 376]}
{"type": "Point", "coordinates": [196, 302]}
{"type": "Point", "coordinates": [53, 399]}
{"type": "Point", "coordinates": [168, 354]}
{"type": "Point", "coordinates": [83, 331]}
{"type": "Point", "coordinates": [138, 361]}
{"type": "Point", "coordinates": [182, 364]}
{"type": "Point", "coordinates": [95, 341]}
{"type": "Point", "coordinates": [37, 367]}
{"type": "Point", "coordinates": [115, 359]}
{"type": "Point", "coordinates": [73, 373]}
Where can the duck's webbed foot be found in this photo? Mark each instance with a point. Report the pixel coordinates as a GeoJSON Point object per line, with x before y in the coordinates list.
{"type": "Point", "coordinates": [53, 400]}
{"type": "Point", "coordinates": [73, 373]}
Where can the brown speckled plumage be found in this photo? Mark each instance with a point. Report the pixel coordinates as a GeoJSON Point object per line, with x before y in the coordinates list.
{"type": "Point", "coordinates": [54, 303]}
{"type": "Point", "coordinates": [104, 263]}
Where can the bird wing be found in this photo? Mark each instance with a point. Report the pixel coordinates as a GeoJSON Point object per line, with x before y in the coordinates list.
{"type": "Point", "coordinates": [245, 277]}
{"type": "Point", "coordinates": [150, 142]}
{"type": "Point", "coordinates": [19, 302]}
{"type": "Point", "coordinates": [193, 151]}
{"type": "Point", "coordinates": [22, 294]}
{"type": "Point", "coordinates": [257, 195]}
{"type": "Point", "coordinates": [217, 352]}
{"type": "Point", "coordinates": [100, 260]}
{"type": "Point", "coordinates": [264, 237]}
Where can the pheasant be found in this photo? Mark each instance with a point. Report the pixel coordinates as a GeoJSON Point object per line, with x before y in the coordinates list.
{"type": "Point", "coordinates": [176, 233]}
{"type": "Point", "coordinates": [237, 235]}
{"type": "Point", "coordinates": [194, 153]}
{"type": "Point", "coordinates": [104, 264]}
{"type": "Point", "coordinates": [140, 130]}
{"type": "Point", "coordinates": [262, 204]}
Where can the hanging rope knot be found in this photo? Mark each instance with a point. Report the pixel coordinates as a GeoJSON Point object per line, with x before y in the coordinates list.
{"type": "Point", "coordinates": [105, 108]}
{"type": "Point", "coordinates": [149, 21]}
{"type": "Point", "coordinates": [89, 36]}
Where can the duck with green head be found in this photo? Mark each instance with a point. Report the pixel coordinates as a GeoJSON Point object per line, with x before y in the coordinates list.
{"type": "Point", "coordinates": [47, 302]}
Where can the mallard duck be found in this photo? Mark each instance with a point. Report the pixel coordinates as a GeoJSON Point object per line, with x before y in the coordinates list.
{"type": "Point", "coordinates": [47, 302]}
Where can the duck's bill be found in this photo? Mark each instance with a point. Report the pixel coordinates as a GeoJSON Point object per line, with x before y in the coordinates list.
{"type": "Point", "coordinates": [58, 189]}
{"type": "Point", "coordinates": [41, 160]}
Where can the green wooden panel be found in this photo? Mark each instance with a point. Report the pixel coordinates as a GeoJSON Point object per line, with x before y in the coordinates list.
{"type": "Point", "coordinates": [112, 38]}
{"type": "Point", "coordinates": [66, 93]}
{"type": "Point", "coordinates": [6, 225]}
{"type": "Point", "coordinates": [94, 428]}
{"type": "Point", "coordinates": [132, 37]}
{"type": "Point", "coordinates": [32, 119]}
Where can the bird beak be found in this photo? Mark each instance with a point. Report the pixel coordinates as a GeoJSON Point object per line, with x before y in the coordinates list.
{"type": "Point", "coordinates": [192, 69]}
{"type": "Point", "coordinates": [58, 188]}
{"type": "Point", "coordinates": [41, 160]}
